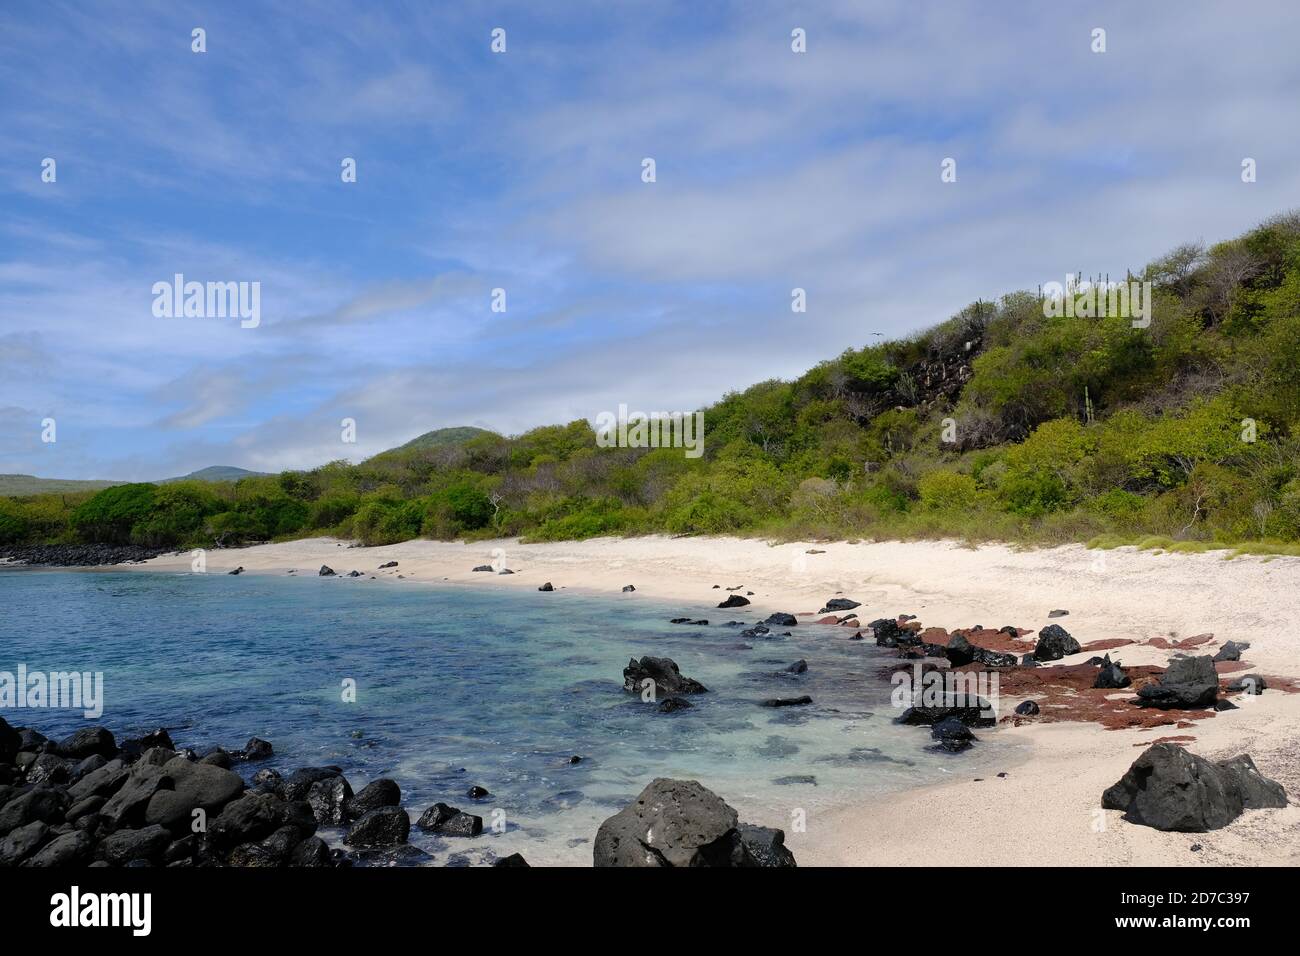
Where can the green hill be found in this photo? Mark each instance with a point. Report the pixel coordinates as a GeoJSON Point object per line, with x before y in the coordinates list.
{"type": "Point", "coordinates": [438, 438]}
{"type": "Point", "coordinates": [1028, 419]}
{"type": "Point", "coordinates": [215, 473]}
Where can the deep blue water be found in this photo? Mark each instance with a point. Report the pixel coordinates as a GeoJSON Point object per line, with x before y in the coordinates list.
{"type": "Point", "coordinates": [459, 686]}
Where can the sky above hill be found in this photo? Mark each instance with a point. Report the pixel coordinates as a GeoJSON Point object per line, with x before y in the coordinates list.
{"type": "Point", "coordinates": [522, 171]}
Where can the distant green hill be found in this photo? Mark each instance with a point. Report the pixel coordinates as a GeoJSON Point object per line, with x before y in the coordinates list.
{"type": "Point", "coordinates": [15, 485]}
{"type": "Point", "coordinates": [439, 437]}
{"type": "Point", "coordinates": [214, 473]}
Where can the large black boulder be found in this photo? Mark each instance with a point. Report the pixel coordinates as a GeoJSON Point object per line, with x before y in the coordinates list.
{"type": "Point", "coordinates": [1169, 788]}
{"type": "Point", "coordinates": [683, 823]}
{"type": "Point", "coordinates": [668, 680]}
{"type": "Point", "coordinates": [1054, 642]}
{"type": "Point", "coordinates": [889, 634]}
{"type": "Point", "coordinates": [781, 619]}
{"type": "Point", "coordinates": [194, 786]}
{"type": "Point", "coordinates": [735, 600]}
{"type": "Point", "coordinates": [1187, 682]}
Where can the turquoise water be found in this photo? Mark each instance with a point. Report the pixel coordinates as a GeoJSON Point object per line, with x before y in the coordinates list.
{"type": "Point", "coordinates": [461, 686]}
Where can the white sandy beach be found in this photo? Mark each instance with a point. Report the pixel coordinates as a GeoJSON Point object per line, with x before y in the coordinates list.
{"type": "Point", "coordinates": [1047, 810]}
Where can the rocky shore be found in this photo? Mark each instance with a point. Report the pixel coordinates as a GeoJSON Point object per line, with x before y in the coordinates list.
{"type": "Point", "coordinates": [90, 800]}
{"type": "Point", "coordinates": [79, 555]}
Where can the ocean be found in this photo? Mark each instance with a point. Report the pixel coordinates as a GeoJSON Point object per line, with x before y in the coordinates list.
{"type": "Point", "coordinates": [461, 686]}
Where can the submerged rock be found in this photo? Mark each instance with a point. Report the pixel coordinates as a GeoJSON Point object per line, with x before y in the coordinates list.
{"type": "Point", "coordinates": [671, 705]}
{"type": "Point", "coordinates": [787, 701]}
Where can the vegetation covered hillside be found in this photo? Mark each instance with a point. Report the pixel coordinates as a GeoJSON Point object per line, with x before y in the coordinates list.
{"type": "Point", "coordinates": [998, 423]}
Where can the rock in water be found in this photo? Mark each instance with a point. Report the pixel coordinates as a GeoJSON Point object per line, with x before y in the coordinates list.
{"type": "Point", "coordinates": [781, 619]}
{"type": "Point", "coordinates": [671, 705]}
{"type": "Point", "coordinates": [887, 632]}
{"type": "Point", "coordinates": [450, 821]}
{"type": "Point", "coordinates": [787, 701]}
{"type": "Point", "coordinates": [1054, 642]}
{"type": "Point", "coordinates": [383, 826]}
{"type": "Point", "coordinates": [734, 600]}
{"type": "Point", "coordinates": [953, 735]}
{"type": "Point", "coordinates": [668, 680]}
{"type": "Point", "coordinates": [1187, 682]}
{"type": "Point", "coordinates": [1169, 788]}
{"type": "Point", "coordinates": [682, 823]}
{"type": "Point", "coordinates": [373, 796]}
{"type": "Point", "coordinates": [547, 587]}
{"type": "Point", "coordinates": [325, 571]}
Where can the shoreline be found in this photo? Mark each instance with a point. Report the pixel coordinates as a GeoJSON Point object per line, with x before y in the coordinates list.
{"type": "Point", "coordinates": [1051, 797]}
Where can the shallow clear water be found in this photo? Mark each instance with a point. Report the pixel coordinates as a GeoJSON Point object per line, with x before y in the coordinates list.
{"type": "Point", "coordinates": [460, 686]}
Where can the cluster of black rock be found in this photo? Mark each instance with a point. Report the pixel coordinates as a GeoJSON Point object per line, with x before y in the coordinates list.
{"type": "Point", "coordinates": [88, 800]}
{"type": "Point", "coordinates": [79, 555]}
{"type": "Point", "coordinates": [1170, 788]}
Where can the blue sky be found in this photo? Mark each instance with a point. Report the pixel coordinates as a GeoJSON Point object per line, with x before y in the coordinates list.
{"type": "Point", "coordinates": [522, 171]}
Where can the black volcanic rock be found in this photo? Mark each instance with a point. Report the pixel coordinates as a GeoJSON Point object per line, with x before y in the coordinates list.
{"type": "Point", "coordinates": [1187, 682]}
{"type": "Point", "coordinates": [1170, 788]}
{"type": "Point", "coordinates": [668, 680]}
{"type": "Point", "coordinates": [1054, 642]}
{"type": "Point", "coordinates": [734, 600]}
